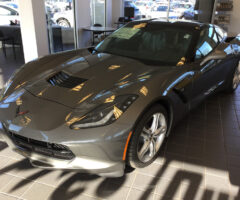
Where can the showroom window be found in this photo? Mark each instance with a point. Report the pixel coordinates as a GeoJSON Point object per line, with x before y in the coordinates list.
{"type": "Point", "coordinates": [98, 12]}
{"type": "Point", "coordinates": [9, 13]}
{"type": "Point", "coordinates": [61, 24]}
{"type": "Point", "coordinates": [160, 9]}
{"type": "Point", "coordinates": [207, 42]}
{"type": "Point", "coordinates": [168, 9]}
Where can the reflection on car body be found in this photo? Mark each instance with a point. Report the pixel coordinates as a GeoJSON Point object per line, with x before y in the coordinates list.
{"type": "Point", "coordinates": [101, 109]}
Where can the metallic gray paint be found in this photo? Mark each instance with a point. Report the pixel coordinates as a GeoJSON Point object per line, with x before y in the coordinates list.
{"type": "Point", "coordinates": [49, 109]}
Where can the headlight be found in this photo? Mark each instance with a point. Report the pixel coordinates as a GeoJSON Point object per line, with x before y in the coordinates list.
{"type": "Point", "coordinates": [105, 114]}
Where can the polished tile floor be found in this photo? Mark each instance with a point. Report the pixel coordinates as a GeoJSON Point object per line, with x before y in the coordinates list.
{"type": "Point", "coordinates": [200, 160]}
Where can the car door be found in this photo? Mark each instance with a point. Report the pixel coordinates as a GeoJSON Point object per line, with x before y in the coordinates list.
{"type": "Point", "coordinates": [208, 73]}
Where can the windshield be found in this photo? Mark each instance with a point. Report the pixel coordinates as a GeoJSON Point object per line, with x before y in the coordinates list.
{"type": "Point", "coordinates": [149, 42]}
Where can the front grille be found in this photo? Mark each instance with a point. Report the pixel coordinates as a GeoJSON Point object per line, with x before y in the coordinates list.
{"type": "Point", "coordinates": [63, 79]}
{"type": "Point", "coordinates": [48, 149]}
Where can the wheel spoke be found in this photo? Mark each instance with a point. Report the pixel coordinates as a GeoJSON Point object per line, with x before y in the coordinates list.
{"type": "Point", "coordinates": [144, 150]}
{"type": "Point", "coordinates": [155, 123]}
{"type": "Point", "coordinates": [145, 135]}
{"type": "Point", "coordinates": [152, 137]}
{"type": "Point", "coordinates": [146, 131]}
{"type": "Point", "coordinates": [161, 130]}
{"type": "Point", "coordinates": [152, 148]}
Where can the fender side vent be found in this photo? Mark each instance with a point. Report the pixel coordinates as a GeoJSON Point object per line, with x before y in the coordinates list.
{"type": "Point", "coordinates": [63, 79]}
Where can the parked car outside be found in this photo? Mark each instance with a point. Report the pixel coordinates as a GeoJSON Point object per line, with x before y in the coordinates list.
{"type": "Point", "coordinates": [64, 19]}
{"type": "Point", "coordinates": [161, 12]}
{"type": "Point", "coordinates": [189, 14]}
{"type": "Point", "coordinates": [8, 14]}
{"type": "Point", "coordinates": [137, 13]}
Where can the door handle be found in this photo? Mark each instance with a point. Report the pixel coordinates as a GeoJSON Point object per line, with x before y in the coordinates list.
{"type": "Point", "coordinates": [184, 82]}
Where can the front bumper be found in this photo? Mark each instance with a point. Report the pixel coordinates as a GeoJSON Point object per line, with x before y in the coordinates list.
{"type": "Point", "coordinates": [86, 164]}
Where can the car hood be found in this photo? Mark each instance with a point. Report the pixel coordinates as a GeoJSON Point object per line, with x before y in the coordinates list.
{"type": "Point", "coordinates": [91, 80]}
{"type": "Point", "coordinates": [88, 78]}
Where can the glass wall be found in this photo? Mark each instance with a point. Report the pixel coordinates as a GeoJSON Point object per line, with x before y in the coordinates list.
{"type": "Point", "coordinates": [98, 10]}
{"type": "Point", "coordinates": [9, 13]}
{"type": "Point", "coordinates": [182, 9]}
{"type": "Point", "coordinates": [169, 9]}
{"type": "Point", "coordinates": [60, 22]}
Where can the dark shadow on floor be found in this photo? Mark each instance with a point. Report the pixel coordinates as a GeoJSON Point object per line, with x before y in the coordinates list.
{"type": "Point", "coordinates": [3, 145]}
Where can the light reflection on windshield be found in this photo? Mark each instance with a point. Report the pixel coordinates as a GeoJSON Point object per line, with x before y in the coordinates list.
{"type": "Point", "coordinates": [151, 42]}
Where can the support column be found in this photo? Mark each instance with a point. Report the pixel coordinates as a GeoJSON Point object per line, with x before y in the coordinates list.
{"type": "Point", "coordinates": [109, 17]}
{"type": "Point", "coordinates": [117, 10]}
{"type": "Point", "coordinates": [33, 29]}
{"type": "Point", "coordinates": [83, 19]}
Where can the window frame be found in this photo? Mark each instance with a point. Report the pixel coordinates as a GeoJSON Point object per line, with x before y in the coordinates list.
{"type": "Point", "coordinates": [196, 49]}
{"type": "Point", "coordinates": [223, 31]}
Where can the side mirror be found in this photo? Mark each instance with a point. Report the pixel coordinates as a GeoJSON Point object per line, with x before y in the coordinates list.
{"type": "Point", "coordinates": [215, 55]}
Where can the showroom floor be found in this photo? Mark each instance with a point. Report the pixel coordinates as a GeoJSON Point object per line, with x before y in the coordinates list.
{"type": "Point", "coordinates": [201, 160]}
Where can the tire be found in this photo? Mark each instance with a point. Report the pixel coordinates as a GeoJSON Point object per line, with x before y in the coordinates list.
{"type": "Point", "coordinates": [143, 138]}
{"type": "Point", "coordinates": [64, 23]}
{"type": "Point", "coordinates": [235, 79]}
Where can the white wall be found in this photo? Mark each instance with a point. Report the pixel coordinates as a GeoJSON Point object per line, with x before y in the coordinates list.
{"type": "Point", "coordinates": [33, 29]}
{"type": "Point", "coordinates": [234, 27]}
{"type": "Point", "coordinates": [109, 12]}
{"type": "Point", "coordinates": [83, 19]}
{"type": "Point", "coordinates": [117, 10]}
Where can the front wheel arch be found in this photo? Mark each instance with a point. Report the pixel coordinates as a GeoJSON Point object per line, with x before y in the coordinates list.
{"type": "Point", "coordinates": [163, 101]}
{"type": "Point", "coordinates": [132, 159]}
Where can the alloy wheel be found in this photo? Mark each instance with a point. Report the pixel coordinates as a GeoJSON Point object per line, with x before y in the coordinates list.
{"type": "Point", "coordinates": [152, 137]}
{"type": "Point", "coordinates": [236, 77]}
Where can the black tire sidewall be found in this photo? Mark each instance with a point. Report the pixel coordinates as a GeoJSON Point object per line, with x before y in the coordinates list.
{"type": "Point", "coordinates": [132, 157]}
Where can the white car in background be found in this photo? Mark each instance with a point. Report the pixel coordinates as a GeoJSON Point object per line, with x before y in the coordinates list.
{"type": "Point", "coordinates": [144, 6]}
{"type": "Point", "coordinates": [161, 12]}
{"type": "Point", "coordinates": [64, 19]}
{"type": "Point", "coordinates": [8, 14]}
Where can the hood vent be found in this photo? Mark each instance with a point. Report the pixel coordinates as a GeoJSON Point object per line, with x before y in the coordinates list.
{"type": "Point", "coordinates": [62, 79]}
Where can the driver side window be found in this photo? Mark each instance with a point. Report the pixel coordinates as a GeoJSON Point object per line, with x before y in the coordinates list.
{"type": "Point", "coordinates": [208, 40]}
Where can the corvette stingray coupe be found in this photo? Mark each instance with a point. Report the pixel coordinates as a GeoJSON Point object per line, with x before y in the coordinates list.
{"type": "Point", "coordinates": [101, 109]}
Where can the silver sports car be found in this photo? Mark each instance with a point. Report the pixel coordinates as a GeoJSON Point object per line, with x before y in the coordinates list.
{"type": "Point", "coordinates": [101, 109]}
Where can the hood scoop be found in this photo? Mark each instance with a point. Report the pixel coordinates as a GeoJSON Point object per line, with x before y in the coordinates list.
{"type": "Point", "coordinates": [63, 79]}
